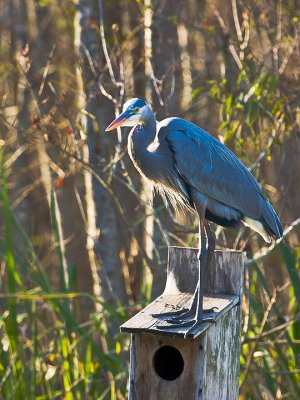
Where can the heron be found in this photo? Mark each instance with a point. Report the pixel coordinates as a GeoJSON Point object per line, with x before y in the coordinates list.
{"type": "Point", "coordinates": [193, 169]}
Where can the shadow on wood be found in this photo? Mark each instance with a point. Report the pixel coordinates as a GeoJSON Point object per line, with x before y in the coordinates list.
{"type": "Point", "coordinates": [165, 365]}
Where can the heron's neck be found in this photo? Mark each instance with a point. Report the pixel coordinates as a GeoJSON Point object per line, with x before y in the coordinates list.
{"type": "Point", "coordinates": [144, 134]}
{"type": "Point", "coordinates": [139, 140]}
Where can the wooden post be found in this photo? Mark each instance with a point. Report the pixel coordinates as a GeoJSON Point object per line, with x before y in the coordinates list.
{"type": "Point", "coordinates": [205, 366]}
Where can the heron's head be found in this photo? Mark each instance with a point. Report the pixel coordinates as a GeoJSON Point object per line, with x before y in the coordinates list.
{"type": "Point", "coordinates": [135, 111]}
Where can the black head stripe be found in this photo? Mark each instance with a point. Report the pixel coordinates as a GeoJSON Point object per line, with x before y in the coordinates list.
{"type": "Point", "coordinates": [133, 104]}
{"type": "Point", "coordinates": [139, 103]}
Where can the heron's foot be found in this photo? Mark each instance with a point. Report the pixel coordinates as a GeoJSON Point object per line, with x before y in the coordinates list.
{"type": "Point", "coordinates": [197, 324]}
{"type": "Point", "coordinates": [189, 314]}
{"type": "Point", "coordinates": [189, 323]}
{"type": "Point", "coordinates": [170, 314]}
{"type": "Point", "coordinates": [181, 315]}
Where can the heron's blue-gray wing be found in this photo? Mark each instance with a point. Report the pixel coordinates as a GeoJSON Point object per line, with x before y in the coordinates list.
{"type": "Point", "coordinates": [211, 168]}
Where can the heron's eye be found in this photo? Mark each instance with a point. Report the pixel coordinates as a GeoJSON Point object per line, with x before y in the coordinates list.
{"type": "Point", "coordinates": [136, 109]}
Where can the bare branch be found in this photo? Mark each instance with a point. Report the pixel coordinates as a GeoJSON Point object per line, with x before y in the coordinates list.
{"type": "Point", "coordinates": [103, 42]}
{"type": "Point", "coordinates": [236, 21]}
{"type": "Point", "coordinates": [266, 250]}
{"type": "Point", "coordinates": [46, 70]}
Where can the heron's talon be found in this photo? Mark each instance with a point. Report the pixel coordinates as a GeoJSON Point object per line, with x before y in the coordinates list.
{"type": "Point", "coordinates": [197, 323]}
{"type": "Point", "coordinates": [191, 324]}
{"type": "Point", "coordinates": [189, 314]}
{"type": "Point", "coordinates": [211, 310]}
{"type": "Point", "coordinates": [171, 314]}
{"type": "Point", "coordinates": [181, 317]}
{"type": "Point", "coordinates": [183, 324]}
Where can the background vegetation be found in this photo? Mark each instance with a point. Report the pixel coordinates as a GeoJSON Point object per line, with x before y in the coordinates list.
{"type": "Point", "coordinates": [80, 248]}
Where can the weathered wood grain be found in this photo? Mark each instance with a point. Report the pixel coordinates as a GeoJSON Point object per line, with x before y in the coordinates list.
{"type": "Point", "coordinates": [145, 322]}
{"type": "Point", "coordinates": [221, 346]}
{"type": "Point", "coordinates": [223, 275]}
{"type": "Point", "coordinates": [211, 357]}
{"type": "Point", "coordinates": [147, 385]}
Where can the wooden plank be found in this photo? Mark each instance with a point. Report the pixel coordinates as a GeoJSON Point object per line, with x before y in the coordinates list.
{"type": "Point", "coordinates": [221, 347]}
{"type": "Point", "coordinates": [221, 343]}
{"type": "Point", "coordinates": [145, 322]}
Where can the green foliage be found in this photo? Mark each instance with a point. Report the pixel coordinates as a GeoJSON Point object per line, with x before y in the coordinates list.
{"type": "Point", "coordinates": [45, 351]}
{"type": "Point", "coordinates": [270, 349]}
{"type": "Point", "coordinates": [253, 112]}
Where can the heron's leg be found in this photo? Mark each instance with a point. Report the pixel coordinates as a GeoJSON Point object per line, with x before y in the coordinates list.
{"type": "Point", "coordinates": [206, 240]}
{"type": "Point", "coordinates": [206, 250]}
{"type": "Point", "coordinates": [196, 305]}
{"type": "Point", "coordinates": [196, 315]}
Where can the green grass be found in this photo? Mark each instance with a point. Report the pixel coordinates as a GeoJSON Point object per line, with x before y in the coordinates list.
{"type": "Point", "coordinates": [45, 352]}
{"type": "Point", "coordinates": [270, 360]}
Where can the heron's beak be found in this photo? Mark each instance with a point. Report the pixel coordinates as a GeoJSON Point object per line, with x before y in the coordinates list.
{"type": "Point", "coordinates": [118, 121]}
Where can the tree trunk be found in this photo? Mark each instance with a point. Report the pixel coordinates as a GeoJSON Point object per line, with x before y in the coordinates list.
{"type": "Point", "coordinates": [101, 215]}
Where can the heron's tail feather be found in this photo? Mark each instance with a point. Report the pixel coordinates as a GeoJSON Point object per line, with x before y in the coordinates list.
{"type": "Point", "coordinates": [268, 225]}
{"type": "Point", "coordinates": [270, 220]}
{"type": "Point", "coordinates": [258, 227]}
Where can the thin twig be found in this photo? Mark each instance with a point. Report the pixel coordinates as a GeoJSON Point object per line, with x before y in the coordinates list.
{"type": "Point", "coordinates": [274, 330]}
{"type": "Point", "coordinates": [96, 76]}
{"type": "Point", "coordinates": [46, 70]}
{"type": "Point", "coordinates": [266, 250]}
{"type": "Point", "coordinates": [103, 42]}
{"type": "Point", "coordinates": [236, 21]}
{"type": "Point", "coordinates": [261, 328]}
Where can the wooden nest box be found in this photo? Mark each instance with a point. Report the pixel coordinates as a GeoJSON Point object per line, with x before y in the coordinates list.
{"type": "Point", "coordinates": [164, 365]}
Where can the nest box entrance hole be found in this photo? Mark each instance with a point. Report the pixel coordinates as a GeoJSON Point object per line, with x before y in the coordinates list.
{"type": "Point", "coordinates": [168, 363]}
